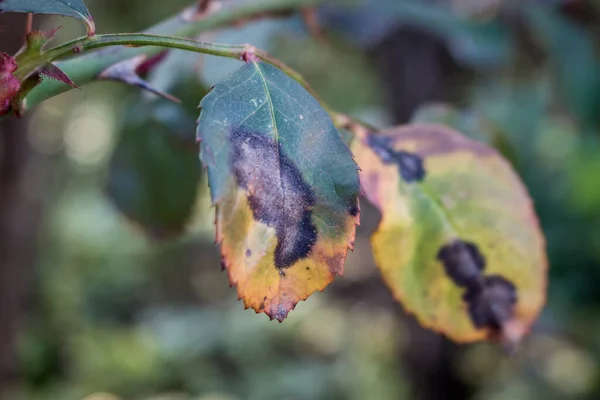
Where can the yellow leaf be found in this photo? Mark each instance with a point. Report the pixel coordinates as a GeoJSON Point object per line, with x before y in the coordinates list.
{"type": "Point", "coordinates": [459, 243]}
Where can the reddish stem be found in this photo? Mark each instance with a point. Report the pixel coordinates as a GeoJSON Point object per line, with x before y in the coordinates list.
{"type": "Point", "coordinates": [203, 6]}
{"type": "Point", "coordinates": [29, 24]}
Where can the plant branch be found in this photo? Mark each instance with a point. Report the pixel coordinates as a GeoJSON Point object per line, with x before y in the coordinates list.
{"type": "Point", "coordinates": [239, 52]}
{"type": "Point", "coordinates": [189, 23]}
{"type": "Point", "coordinates": [29, 23]}
{"type": "Point", "coordinates": [86, 68]}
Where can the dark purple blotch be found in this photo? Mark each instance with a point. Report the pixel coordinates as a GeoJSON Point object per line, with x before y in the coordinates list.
{"type": "Point", "coordinates": [491, 303]}
{"type": "Point", "coordinates": [277, 193]}
{"type": "Point", "coordinates": [409, 164]}
{"type": "Point", "coordinates": [462, 262]}
{"type": "Point", "coordinates": [490, 299]}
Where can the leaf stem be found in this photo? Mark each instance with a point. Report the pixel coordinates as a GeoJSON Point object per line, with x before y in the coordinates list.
{"type": "Point", "coordinates": [143, 39]}
{"type": "Point", "coordinates": [28, 24]}
{"type": "Point", "coordinates": [188, 23]}
{"type": "Point", "coordinates": [239, 52]}
{"type": "Point", "coordinates": [87, 67]}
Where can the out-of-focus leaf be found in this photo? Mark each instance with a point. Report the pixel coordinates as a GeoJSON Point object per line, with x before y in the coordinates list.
{"type": "Point", "coordinates": [575, 61]}
{"type": "Point", "coordinates": [475, 43]}
{"type": "Point", "coordinates": [459, 243]}
{"type": "Point", "coordinates": [350, 87]}
{"type": "Point", "coordinates": [178, 66]}
{"type": "Point", "coordinates": [69, 8]}
{"type": "Point", "coordinates": [471, 123]}
{"type": "Point", "coordinates": [154, 173]}
{"type": "Point", "coordinates": [285, 186]}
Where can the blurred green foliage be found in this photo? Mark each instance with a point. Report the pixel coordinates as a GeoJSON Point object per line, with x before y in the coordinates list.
{"type": "Point", "coordinates": [117, 312]}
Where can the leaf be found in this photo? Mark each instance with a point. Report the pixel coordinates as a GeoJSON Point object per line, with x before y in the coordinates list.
{"type": "Point", "coordinates": [69, 8]}
{"type": "Point", "coordinates": [154, 172]}
{"type": "Point", "coordinates": [459, 243]}
{"type": "Point", "coordinates": [485, 44]}
{"type": "Point", "coordinates": [285, 186]}
{"type": "Point", "coordinates": [574, 59]}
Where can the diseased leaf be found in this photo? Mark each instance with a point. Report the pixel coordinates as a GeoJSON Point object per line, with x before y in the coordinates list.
{"type": "Point", "coordinates": [574, 59]}
{"type": "Point", "coordinates": [69, 8]}
{"type": "Point", "coordinates": [285, 186]}
{"type": "Point", "coordinates": [459, 243]}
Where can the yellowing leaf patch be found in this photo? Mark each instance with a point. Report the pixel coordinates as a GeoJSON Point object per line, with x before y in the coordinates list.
{"type": "Point", "coordinates": [459, 243]}
{"type": "Point", "coordinates": [285, 186]}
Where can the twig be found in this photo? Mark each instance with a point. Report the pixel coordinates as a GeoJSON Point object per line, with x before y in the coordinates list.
{"type": "Point", "coordinates": [29, 24]}
{"type": "Point", "coordinates": [311, 21]}
{"type": "Point", "coordinates": [203, 6]}
{"type": "Point", "coordinates": [85, 69]}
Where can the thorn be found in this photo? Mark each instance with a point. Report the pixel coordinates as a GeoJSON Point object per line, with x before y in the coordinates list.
{"type": "Point", "coordinates": [201, 10]}
{"type": "Point", "coordinates": [128, 72]}
{"type": "Point", "coordinates": [52, 71]}
{"type": "Point", "coordinates": [29, 24]}
{"type": "Point", "coordinates": [310, 17]}
{"type": "Point", "coordinates": [203, 6]}
{"type": "Point", "coordinates": [249, 54]}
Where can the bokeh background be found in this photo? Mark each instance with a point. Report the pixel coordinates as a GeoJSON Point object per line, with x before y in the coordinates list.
{"type": "Point", "coordinates": [102, 299]}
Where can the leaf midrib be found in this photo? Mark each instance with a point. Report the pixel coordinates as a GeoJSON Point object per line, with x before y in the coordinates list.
{"type": "Point", "coordinates": [275, 130]}
{"type": "Point", "coordinates": [270, 104]}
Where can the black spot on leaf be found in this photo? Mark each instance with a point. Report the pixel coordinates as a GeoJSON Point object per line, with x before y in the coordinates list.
{"type": "Point", "coordinates": [490, 299]}
{"type": "Point", "coordinates": [277, 193]}
{"type": "Point", "coordinates": [491, 302]}
{"type": "Point", "coordinates": [462, 261]}
{"type": "Point", "coordinates": [409, 165]}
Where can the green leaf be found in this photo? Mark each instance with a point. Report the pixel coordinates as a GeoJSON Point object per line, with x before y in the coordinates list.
{"type": "Point", "coordinates": [574, 59]}
{"type": "Point", "coordinates": [69, 8]}
{"type": "Point", "coordinates": [459, 243]}
{"type": "Point", "coordinates": [479, 43]}
{"type": "Point", "coordinates": [285, 186]}
{"type": "Point", "coordinates": [154, 172]}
